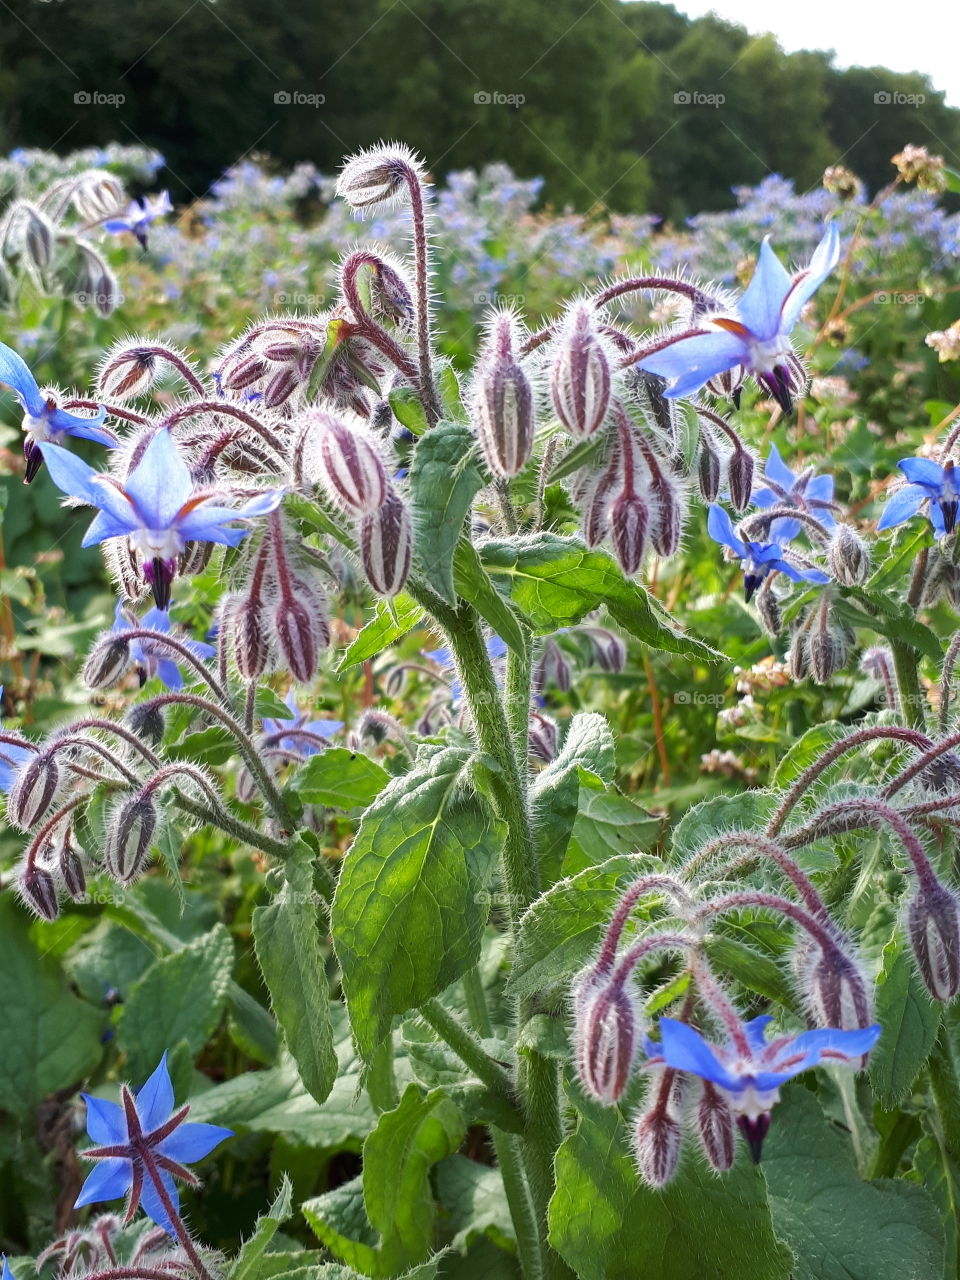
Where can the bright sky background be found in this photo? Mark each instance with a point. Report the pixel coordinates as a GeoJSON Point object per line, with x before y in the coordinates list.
{"type": "Point", "coordinates": [904, 35]}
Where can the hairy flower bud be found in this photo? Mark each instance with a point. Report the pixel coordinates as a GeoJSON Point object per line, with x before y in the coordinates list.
{"type": "Point", "coordinates": [503, 402]}
{"type": "Point", "coordinates": [247, 625]}
{"type": "Point", "coordinates": [933, 926]}
{"type": "Point", "coordinates": [798, 656]}
{"type": "Point", "coordinates": [38, 890]}
{"type": "Point", "coordinates": [553, 668]}
{"type": "Point", "coordinates": [542, 737]}
{"type": "Point", "coordinates": [769, 611]}
{"type": "Point", "coordinates": [596, 507]}
{"type": "Point", "coordinates": [38, 237]}
{"type": "Point", "coordinates": [666, 524]}
{"type": "Point", "coordinates": [848, 556]}
{"type": "Point", "coordinates": [280, 387]}
{"type": "Point", "coordinates": [70, 868]}
{"type": "Point", "coordinates": [629, 521]}
{"type": "Point", "coordinates": [709, 469]}
{"type": "Point", "coordinates": [390, 295]}
{"type": "Point", "coordinates": [129, 834]}
{"type": "Point", "coordinates": [107, 662]}
{"type": "Point", "coordinates": [33, 790]}
{"type": "Point", "coordinates": [146, 720]}
{"type": "Point", "coordinates": [386, 544]}
{"type": "Point", "coordinates": [740, 478]}
{"type": "Point", "coordinates": [657, 1138]}
{"type": "Point", "coordinates": [378, 174]}
{"type": "Point", "coordinates": [127, 373]}
{"type": "Point", "coordinates": [715, 1128]}
{"type": "Point", "coordinates": [834, 988]}
{"type": "Point", "coordinates": [605, 1034]}
{"type": "Point", "coordinates": [243, 372]}
{"type": "Point", "coordinates": [352, 470]}
{"type": "Point", "coordinates": [580, 376]}
{"type": "Point", "coordinates": [301, 631]}
{"type": "Point", "coordinates": [828, 652]}
{"type": "Point", "coordinates": [609, 650]}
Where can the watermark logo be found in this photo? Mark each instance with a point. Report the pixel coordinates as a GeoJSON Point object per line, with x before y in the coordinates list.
{"type": "Point", "coordinates": [900, 299]}
{"type": "Point", "coordinates": [695, 698]}
{"type": "Point", "coordinates": [312, 300]}
{"type": "Point", "coordinates": [294, 98]}
{"type": "Point", "coordinates": [499, 299]}
{"type": "Point", "coordinates": [694, 98]}
{"type": "Point", "coordinates": [494, 98]}
{"type": "Point", "coordinates": [94, 98]}
{"type": "Point", "coordinates": [894, 98]}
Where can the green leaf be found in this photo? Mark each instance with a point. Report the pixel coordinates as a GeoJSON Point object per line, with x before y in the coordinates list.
{"type": "Point", "coordinates": [588, 745]}
{"type": "Point", "coordinates": [339, 779]}
{"type": "Point", "coordinates": [444, 480]}
{"type": "Point", "coordinates": [247, 1264]}
{"type": "Point", "coordinates": [339, 1221]}
{"type": "Point", "coordinates": [407, 916]}
{"type": "Point", "coordinates": [809, 747]}
{"type": "Point", "coordinates": [268, 705]}
{"type": "Point", "coordinates": [910, 1022]}
{"type": "Point", "coordinates": [952, 179]}
{"type": "Point", "coordinates": [836, 1224]}
{"type": "Point", "coordinates": [577, 456]}
{"type": "Point", "coordinates": [556, 582]}
{"type": "Point", "coordinates": [938, 1174]}
{"type": "Point", "coordinates": [608, 823]}
{"type": "Point", "coordinates": [890, 620]}
{"type": "Point", "coordinates": [252, 1029]}
{"type": "Point", "coordinates": [180, 997]}
{"type": "Point", "coordinates": [50, 1039]}
{"type": "Point", "coordinates": [474, 1197]}
{"type": "Point", "coordinates": [558, 933]}
{"type": "Point", "coordinates": [391, 621]}
{"type": "Point", "coordinates": [287, 943]}
{"type": "Point", "coordinates": [474, 584]}
{"type": "Point", "coordinates": [608, 1226]}
{"type": "Point", "coordinates": [213, 746]}
{"type": "Point", "coordinates": [408, 410]}
{"type": "Point", "coordinates": [748, 811]}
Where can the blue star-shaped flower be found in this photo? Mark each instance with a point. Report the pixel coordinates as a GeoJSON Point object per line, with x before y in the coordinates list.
{"type": "Point", "coordinates": [929, 481]}
{"type": "Point", "coordinates": [298, 734]}
{"type": "Point", "coordinates": [157, 507]}
{"type": "Point", "coordinates": [43, 420]}
{"type": "Point", "coordinates": [751, 1080]}
{"type": "Point", "coordinates": [143, 1141]}
{"type": "Point", "coordinates": [758, 559]}
{"type": "Point", "coordinates": [152, 657]}
{"type": "Point", "coordinates": [755, 335]}
{"type": "Point", "coordinates": [809, 492]}
{"type": "Point", "coordinates": [140, 214]}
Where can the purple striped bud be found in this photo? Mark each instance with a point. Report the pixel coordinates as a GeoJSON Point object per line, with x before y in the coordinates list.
{"type": "Point", "coordinates": [709, 469]}
{"type": "Point", "coordinates": [301, 631]}
{"type": "Point", "coordinates": [596, 508]}
{"type": "Point", "coordinates": [503, 402]}
{"type": "Point", "coordinates": [129, 373]}
{"type": "Point", "coordinates": [351, 468]}
{"type": "Point", "coordinates": [38, 238]}
{"type": "Point", "coordinates": [247, 625]}
{"type": "Point", "coordinates": [933, 926]}
{"type": "Point", "coordinates": [38, 890]}
{"type": "Point", "coordinates": [580, 376]}
{"type": "Point", "coordinates": [769, 611]}
{"type": "Point", "coordinates": [147, 721]}
{"type": "Point", "coordinates": [740, 478]}
{"type": "Point", "coordinates": [542, 737]}
{"type": "Point", "coordinates": [715, 1128]}
{"type": "Point", "coordinates": [656, 1144]}
{"type": "Point", "coordinates": [798, 656]}
{"type": "Point", "coordinates": [390, 295]}
{"type": "Point", "coordinates": [666, 526]}
{"type": "Point", "coordinates": [553, 668]}
{"type": "Point", "coordinates": [70, 868]}
{"type": "Point", "coordinates": [243, 372]}
{"type": "Point", "coordinates": [609, 651]}
{"type": "Point", "coordinates": [33, 790]}
{"type": "Point", "coordinates": [129, 834]}
{"type": "Point", "coordinates": [629, 520]}
{"type": "Point", "coordinates": [281, 387]}
{"type": "Point", "coordinates": [107, 662]}
{"type": "Point", "coordinates": [386, 544]}
{"type": "Point", "coordinates": [848, 557]}
{"type": "Point", "coordinates": [604, 1035]}
{"type": "Point", "coordinates": [828, 652]}
{"type": "Point", "coordinates": [379, 174]}
{"type": "Point", "coordinates": [729, 383]}
{"type": "Point", "coordinates": [834, 988]}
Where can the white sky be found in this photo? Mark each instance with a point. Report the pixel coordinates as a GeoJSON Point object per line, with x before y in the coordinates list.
{"type": "Point", "coordinates": [920, 35]}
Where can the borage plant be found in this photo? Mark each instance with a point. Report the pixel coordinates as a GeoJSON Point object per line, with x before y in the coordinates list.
{"type": "Point", "coordinates": [572, 1040]}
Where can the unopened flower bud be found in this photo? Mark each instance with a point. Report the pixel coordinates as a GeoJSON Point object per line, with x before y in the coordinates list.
{"type": "Point", "coordinates": [351, 467]}
{"type": "Point", "coordinates": [798, 656]}
{"type": "Point", "coordinates": [108, 661]}
{"type": "Point", "coordinates": [609, 651]}
{"type": "Point", "coordinates": [553, 668]}
{"type": "Point", "coordinates": [769, 611]}
{"type": "Point", "coordinates": [656, 1144]}
{"type": "Point", "coordinates": [666, 524]}
{"type": "Point", "coordinates": [243, 372]}
{"type": "Point", "coordinates": [386, 543]}
{"type": "Point", "coordinates": [390, 296]}
{"type": "Point", "coordinates": [249, 637]}
{"type": "Point", "coordinates": [38, 889]}
{"type": "Point", "coordinates": [503, 403]}
{"type": "Point", "coordinates": [128, 373]}
{"type": "Point", "coordinates": [605, 1034]}
{"type": "Point", "coordinates": [709, 469]}
{"type": "Point", "coordinates": [933, 926]}
{"type": "Point", "coordinates": [301, 632]}
{"type": "Point", "coordinates": [629, 520]}
{"type": "Point", "coordinates": [33, 790]}
{"type": "Point", "coordinates": [377, 175]}
{"type": "Point", "coordinates": [740, 478]}
{"type": "Point", "coordinates": [542, 737]}
{"type": "Point", "coordinates": [280, 387]}
{"type": "Point", "coordinates": [129, 834]}
{"type": "Point", "coordinates": [38, 238]}
{"type": "Point", "coordinates": [70, 868]}
{"type": "Point", "coordinates": [147, 721]}
{"type": "Point", "coordinates": [848, 556]}
{"type": "Point", "coordinates": [834, 989]}
{"type": "Point", "coordinates": [828, 652]}
{"type": "Point", "coordinates": [728, 384]}
{"type": "Point", "coordinates": [715, 1128]}
{"type": "Point", "coordinates": [596, 508]}
{"type": "Point", "coordinates": [580, 376]}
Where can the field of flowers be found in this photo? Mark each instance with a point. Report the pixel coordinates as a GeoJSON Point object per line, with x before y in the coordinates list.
{"type": "Point", "coordinates": [479, 726]}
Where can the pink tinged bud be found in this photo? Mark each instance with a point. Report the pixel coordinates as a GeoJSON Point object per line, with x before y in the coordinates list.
{"type": "Point", "coordinates": [146, 719]}
{"type": "Point", "coordinates": [657, 1140]}
{"type": "Point", "coordinates": [933, 926]}
{"type": "Point", "coordinates": [38, 889]}
{"type": "Point", "coordinates": [298, 637]}
{"type": "Point", "coordinates": [33, 790]}
{"type": "Point", "coordinates": [386, 543]}
{"type": "Point", "coordinates": [798, 656]}
{"type": "Point", "coordinates": [70, 869]}
{"type": "Point", "coordinates": [38, 239]}
{"type": "Point", "coordinates": [835, 990]}
{"type": "Point", "coordinates": [666, 527]}
{"type": "Point", "coordinates": [108, 661]}
{"type": "Point", "coordinates": [610, 653]}
{"type": "Point", "coordinates": [769, 611]}
{"type": "Point", "coordinates": [828, 652]}
{"type": "Point", "coordinates": [596, 509]}
{"type": "Point", "coordinates": [542, 737]}
{"type": "Point", "coordinates": [280, 388]}
{"type": "Point", "coordinates": [715, 1128]}
{"type": "Point", "coordinates": [629, 521]}
{"type": "Point", "coordinates": [129, 835]}
{"type": "Point", "coordinates": [390, 297]}
{"type": "Point", "coordinates": [740, 478]}
{"type": "Point", "coordinates": [503, 410]}
{"type": "Point", "coordinates": [580, 378]}
{"type": "Point", "coordinates": [605, 1036]}
{"type": "Point", "coordinates": [709, 470]}
{"type": "Point", "coordinates": [352, 469]}
{"type": "Point", "coordinates": [848, 557]}
{"type": "Point", "coordinates": [248, 633]}
{"type": "Point", "coordinates": [244, 372]}
{"type": "Point", "coordinates": [553, 668]}
{"type": "Point", "coordinates": [129, 374]}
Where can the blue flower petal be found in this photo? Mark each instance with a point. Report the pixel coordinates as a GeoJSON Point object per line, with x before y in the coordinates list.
{"type": "Point", "coordinates": [106, 1123]}
{"type": "Point", "coordinates": [155, 1098]}
{"type": "Point", "coordinates": [923, 471]}
{"type": "Point", "coordinates": [720, 528]}
{"type": "Point", "coordinates": [904, 504]}
{"type": "Point", "coordinates": [106, 525]}
{"type": "Point", "coordinates": [160, 483]}
{"type": "Point", "coordinates": [71, 474]}
{"type": "Point", "coordinates": [785, 529]}
{"type": "Point", "coordinates": [324, 728]}
{"type": "Point", "coordinates": [109, 1180]}
{"type": "Point", "coordinates": [762, 302]}
{"type": "Point", "coordinates": [14, 372]}
{"type": "Point", "coordinates": [756, 1030]}
{"type": "Point", "coordinates": [190, 1142]}
{"type": "Point", "coordinates": [690, 362]}
{"type": "Point", "coordinates": [936, 519]}
{"type": "Point", "coordinates": [850, 1044]}
{"type": "Point", "coordinates": [825, 258]}
{"type": "Point", "coordinates": [686, 1050]}
{"type": "Point", "coordinates": [776, 469]}
{"type": "Point", "coordinates": [152, 1206]}
{"type": "Point", "coordinates": [819, 489]}
{"type": "Point", "coordinates": [169, 674]}
{"type": "Point", "coordinates": [73, 424]}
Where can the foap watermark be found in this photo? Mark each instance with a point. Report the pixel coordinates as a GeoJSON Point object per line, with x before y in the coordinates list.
{"type": "Point", "coordinates": [94, 98]}
{"type": "Point", "coordinates": [313, 300]}
{"type": "Point", "coordinates": [494, 98]}
{"type": "Point", "coordinates": [100, 300]}
{"type": "Point", "coordinates": [499, 299]}
{"type": "Point", "coordinates": [696, 698]}
{"type": "Point", "coordinates": [900, 299]}
{"type": "Point", "coordinates": [695, 98]}
{"type": "Point", "coordinates": [295, 98]}
{"type": "Point", "coordinates": [894, 98]}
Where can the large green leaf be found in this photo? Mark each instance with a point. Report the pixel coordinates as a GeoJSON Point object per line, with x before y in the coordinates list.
{"type": "Point", "coordinates": [476, 586]}
{"type": "Point", "coordinates": [608, 823]}
{"type": "Point", "coordinates": [391, 621]}
{"type": "Point", "coordinates": [837, 1225]}
{"type": "Point", "coordinates": [588, 746]}
{"type": "Point", "coordinates": [180, 997]}
{"type": "Point", "coordinates": [938, 1174]}
{"type": "Point", "coordinates": [474, 1197]}
{"type": "Point", "coordinates": [556, 582]}
{"type": "Point", "coordinates": [287, 943]}
{"type": "Point", "coordinates": [910, 1022]}
{"type": "Point", "coordinates": [248, 1263]}
{"type": "Point", "coordinates": [608, 1226]}
{"type": "Point", "coordinates": [445, 478]}
{"type": "Point", "coordinates": [339, 779]}
{"type": "Point", "coordinates": [408, 912]}
{"type": "Point", "coordinates": [50, 1039]}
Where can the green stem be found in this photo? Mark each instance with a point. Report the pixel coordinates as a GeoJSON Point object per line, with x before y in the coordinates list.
{"type": "Point", "coordinates": [906, 662]}
{"type": "Point", "coordinates": [468, 1048]}
{"type": "Point", "coordinates": [476, 999]}
{"type": "Point", "coordinates": [381, 1082]}
{"type": "Point", "coordinates": [517, 689]}
{"type": "Point", "coordinates": [544, 1133]}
